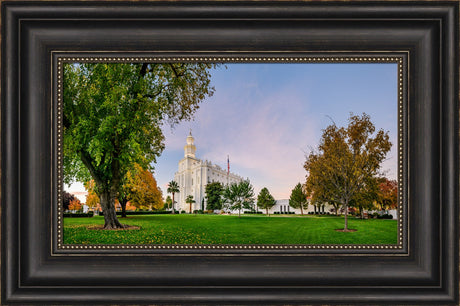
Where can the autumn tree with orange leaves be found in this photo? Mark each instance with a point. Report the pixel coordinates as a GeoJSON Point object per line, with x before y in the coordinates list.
{"type": "Point", "coordinates": [92, 199]}
{"type": "Point", "coordinates": [143, 189]}
{"type": "Point", "coordinates": [388, 194]}
{"type": "Point", "coordinates": [75, 204]}
{"type": "Point", "coordinates": [347, 159]}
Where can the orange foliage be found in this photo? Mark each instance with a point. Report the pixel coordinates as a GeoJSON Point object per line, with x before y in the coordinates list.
{"type": "Point", "coordinates": [92, 199]}
{"type": "Point", "coordinates": [75, 204]}
{"type": "Point", "coordinates": [388, 192]}
{"type": "Point", "coordinates": [143, 189]}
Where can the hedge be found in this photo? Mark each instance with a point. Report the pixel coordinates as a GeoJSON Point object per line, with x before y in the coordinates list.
{"type": "Point", "coordinates": [78, 215]}
{"type": "Point", "coordinates": [141, 213]}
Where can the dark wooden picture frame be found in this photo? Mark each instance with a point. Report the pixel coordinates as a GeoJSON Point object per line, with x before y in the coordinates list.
{"type": "Point", "coordinates": [35, 270]}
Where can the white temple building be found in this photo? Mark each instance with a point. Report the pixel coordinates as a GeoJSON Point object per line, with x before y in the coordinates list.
{"type": "Point", "coordinates": [193, 176]}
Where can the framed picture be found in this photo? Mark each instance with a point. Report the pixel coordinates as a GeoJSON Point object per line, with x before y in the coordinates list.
{"type": "Point", "coordinates": [90, 91]}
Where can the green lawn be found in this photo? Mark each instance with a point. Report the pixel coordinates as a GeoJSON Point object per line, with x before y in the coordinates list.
{"type": "Point", "coordinates": [222, 229]}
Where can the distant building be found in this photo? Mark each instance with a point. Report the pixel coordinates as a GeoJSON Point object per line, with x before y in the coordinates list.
{"type": "Point", "coordinates": [282, 206]}
{"type": "Point", "coordinates": [194, 174]}
{"type": "Point", "coordinates": [81, 195]}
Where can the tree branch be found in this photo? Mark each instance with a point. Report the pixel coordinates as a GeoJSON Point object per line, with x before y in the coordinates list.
{"type": "Point", "coordinates": [88, 162]}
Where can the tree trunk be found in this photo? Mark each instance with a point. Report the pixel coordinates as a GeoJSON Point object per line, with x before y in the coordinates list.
{"type": "Point", "coordinates": [108, 208]}
{"type": "Point", "coordinates": [267, 211]}
{"type": "Point", "coordinates": [346, 216]}
{"type": "Point", "coordinates": [301, 210]}
{"type": "Point", "coordinates": [123, 203]}
{"type": "Point", "coordinates": [190, 207]}
{"type": "Point", "coordinates": [239, 213]}
{"type": "Point", "coordinates": [173, 204]}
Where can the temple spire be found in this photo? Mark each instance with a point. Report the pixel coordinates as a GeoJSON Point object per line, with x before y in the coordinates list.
{"type": "Point", "coordinates": [190, 149]}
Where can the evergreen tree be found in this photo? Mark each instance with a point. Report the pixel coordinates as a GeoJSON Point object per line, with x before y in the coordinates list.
{"type": "Point", "coordinates": [213, 195]}
{"type": "Point", "coordinates": [265, 200]}
{"type": "Point", "coordinates": [298, 198]}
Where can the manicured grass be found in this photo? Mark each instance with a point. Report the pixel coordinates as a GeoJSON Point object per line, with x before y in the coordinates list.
{"type": "Point", "coordinates": [222, 229]}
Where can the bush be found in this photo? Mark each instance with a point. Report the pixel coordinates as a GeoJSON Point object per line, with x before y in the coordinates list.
{"type": "Point", "coordinates": [198, 211]}
{"type": "Point", "coordinates": [78, 215]}
{"type": "Point", "coordinates": [386, 216]}
{"type": "Point", "coordinates": [182, 212]}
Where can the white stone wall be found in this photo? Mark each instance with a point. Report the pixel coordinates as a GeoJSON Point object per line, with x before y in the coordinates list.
{"type": "Point", "coordinates": [194, 174]}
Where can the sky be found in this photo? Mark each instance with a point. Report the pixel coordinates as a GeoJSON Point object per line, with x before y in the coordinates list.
{"type": "Point", "coordinates": [267, 117]}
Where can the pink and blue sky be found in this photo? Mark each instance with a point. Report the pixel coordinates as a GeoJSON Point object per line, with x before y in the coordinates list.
{"type": "Point", "coordinates": [266, 117]}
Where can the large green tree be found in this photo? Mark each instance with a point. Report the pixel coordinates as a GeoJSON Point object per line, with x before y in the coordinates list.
{"type": "Point", "coordinates": [239, 195]}
{"type": "Point", "coordinates": [298, 198]}
{"type": "Point", "coordinates": [265, 200]}
{"type": "Point", "coordinates": [113, 114]}
{"type": "Point", "coordinates": [347, 158]}
{"type": "Point", "coordinates": [213, 196]}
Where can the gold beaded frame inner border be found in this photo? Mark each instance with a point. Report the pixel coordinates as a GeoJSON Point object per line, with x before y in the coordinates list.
{"type": "Point", "coordinates": [379, 57]}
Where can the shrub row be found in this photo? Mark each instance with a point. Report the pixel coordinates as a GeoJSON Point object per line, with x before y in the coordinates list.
{"type": "Point", "coordinates": [141, 213]}
{"type": "Point", "coordinates": [199, 211]}
{"type": "Point", "coordinates": [145, 213]}
{"type": "Point", "coordinates": [319, 213]}
{"type": "Point", "coordinates": [78, 215]}
{"type": "Point", "coordinates": [284, 213]}
{"type": "Point", "coordinates": [252, 212]}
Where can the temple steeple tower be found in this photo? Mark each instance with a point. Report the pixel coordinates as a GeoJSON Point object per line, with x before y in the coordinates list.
{"type": "Point", "coordinates": [190, 149]}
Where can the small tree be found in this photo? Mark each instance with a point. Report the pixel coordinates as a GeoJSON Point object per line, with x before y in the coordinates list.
{"type": "Point", "coordinates": [75, 204]}
{"type": "Point", "coordinates": [143, 189]}
{"type": "Point", "coordinates": [214, 192]}
{"type": "Point", "coordinates": [66, 199]}
{"type": "Point", "coordinates": [298, 198]}
{"type": "Point", "coordinates": [190, 201]}
{"type": "Point", "coordinates": [388, 193]}
{"type": "Point", "coordinates": [168, 202]}
{"type": "Point", "coordinates": [239, 195]}
{"type": "Point", "coordinates": [265, 200]}
{"type": "Point", "coordinates": [92, 200]}
{"type": "Point", "coordinates": [173, 188]}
